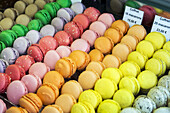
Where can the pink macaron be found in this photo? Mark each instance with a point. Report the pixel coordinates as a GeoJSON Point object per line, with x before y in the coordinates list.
{"type": "Point", "coordinates": [32, 82]}
{"type": "Point", "coordinates": [80, 44]}
{"type": "Point", "coordinates": [107, 18]}
{"type": "Point", "coordinates": [63, 51]}
{"type": "Point", "coordinates": [4, 82]}
{"type": "Point", "coordinates": [39, 69]}
{"type": "Point", "coordinates": [3, 107]}
{"type": "Point", "coordinates": [15, 91]}
{"type": "Point", "coordinates": [90, 36]}
{"type": "Point", "coordinates": [51, 58]}
{"type": "Point", "coordinates": [99, 27]}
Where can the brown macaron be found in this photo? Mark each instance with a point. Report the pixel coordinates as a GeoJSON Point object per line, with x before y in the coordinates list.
{"type": "Point", "coordinates": [6, 23]}
{"type": "Point", "coordinates": [104, 44]}
{"type": "Point", "coordinates": [31, 10]}
{"type": "Point", "coordinates": [122, 51]}
{"type": "Point", "coordinates": [66, 66]}
{"type": "Point", "coordinates": [121, 24]}
{"type": "Point", "coordinates": [23, 19]}
{"type": "Point", "coordinates": [11, 13]}
{"type": "Point", "coordinates": [20, 6]}
{"type": "Point", "coordinates": [81, 58]}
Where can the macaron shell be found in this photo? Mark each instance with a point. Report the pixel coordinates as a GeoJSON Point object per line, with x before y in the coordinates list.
{"type": "Point", "coordinates": [47, 30]}
{"type": "Point", "coordinates": [122, 25]}
{"type": "Point", "coordinates": [162, 110]}
{"type": "Point", "coordinates": [31, 10]}
{"type": "Point", "coordinates": [3, 65]}
{"type": "Point", "coordinates": [4, 24]}
{"type": "Point", "coordinates": [14, 109]}
{"type": "Point", "coordinates": [78, 7]}
{"type": "Point", "coordinates": [35, 24]}
{"type": "Point", "coordinates": [23, 19]}
{"type": "Point", "coordinates": [107, 18]}
{"type": "Point", "coordinates": [164, 81]}
{"type": "Point", "coordinates": [33, 36]}
{"type": "Point", "coordinates": [11, 13]}
{"type": "Point", "coordinates": [80, 44]}
{"type": "Point", "coordinates": [130, 110]}
{"type": "Point", "coordinates": [96, 55]}
{"type": "Point", "coordinates": [65, 3]}
{"type": "Point", "coordinates": [79, 107]}
{"type": "Point", "coordinates": [52, 109]}
{"type": "Point", "coordinates": [92, 13]}
{"type": "Point", "coordinates": [4, 82]}
{"type": "Point", "coordinates": [58, 23]}
{"type": "Point", "coordinates": [63, 51]}
{"type": "Point", "coordinates": [167, 46]}
{"type": "Point", "coordinates": [111, 61]}
{"type": "Point", "coordinates": [65, 14]}
{"type": "Point", "coordinates": [2, 106]}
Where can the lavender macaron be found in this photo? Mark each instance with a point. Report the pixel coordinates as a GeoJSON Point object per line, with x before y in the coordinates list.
{"type": "Point", "coordinates": [33, 36]}
{"type": "Point", "coordinates": [3, 65]}
{"type": "Point", "coordinates": [21, 44]}
{"type": "Point", "coordinates": [48, 30]}
{"type": "Point", "coordinates": [78, 8]}
{"type": "Point", "coordinates": [58, 23]}
{"type": "Point", "coordinates": [66, 13]}
{"type": "Point", "coordinates": [10, 55]}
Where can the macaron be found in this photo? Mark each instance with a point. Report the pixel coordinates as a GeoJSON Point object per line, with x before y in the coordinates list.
{"type": "Point", "coordinates": [53, 109]}
{"type": "Point", "coordinates": [3, 46]}
{"type": "Point", "coordinates": [114, 74]}
{"type": "Point", "coordinates": [104, 44]}
{"type": "Point", "coordinates": [81, 59]}
{"type": "Point", "coordinates": [15, 72]}
{"type": "Point", "coordinates": [20, 6]}
{"type": "Point", "coordinates": [20, 90]}
{"type": "Point", "coordinates": [90, 96]}
{"type": "Point", "coordinates": [75, 29]}
{"type": "Point", "coordinates": [32, 82]}
{"type": "Point", "coordinates": [1, 16]}
{"type": "Point", "coordinates": [78, 7]}
{"type": "Point", "coordinates": [63, 51]}
{"type": "Point", "coordinates": [31, 10]}
{"type": "Point", "coordinates": [20, 30]}
{"type": "Point", "coordinates": [41, 3]}
{"type": "Point", "coordinates": [130, 110]}
{"type": "Point", "coordinates": [105, 88]}
{"type": "Point", "coordinates": [83, 20]}
{"type": "Point", "coordinates": [84, 78]}
{"type": "Point", "coordinates": [54, 78]}
{"type": "Point", "coordinates": [21, 44]}
{"type": "Point", "coordinates": [122, 51]}
{"type": "Point", "coordinates": [107, 18]}
{"type": "Point", "coordinates": [139, 58]}
{"type": "Point", "coordinates": [29, 1]}
{"type": "Point", "coordinates": [35, 24]}
{"type": "Point", "coordinates": [11, 13]}
{"type": "Point", "coordinates": [111, 61]}
{"type": "Point", "coordinates": [4, 82]}
{"type": "Point", "coordinates": [33, 36]}
{"type": "Point", "coordinates": [147, 79]}
{"type": "Point", "coordinates": [146, 48]}
{"type": "Point", "coordinates": [129, 68]}
{"type": "Point", "coordinates": [132, 3]}
{"type": "Point", "coordinates": [66, 66]}
{"type": "Point", "coordinates": [99, 27]}
{"type": "Point", "coordinates": [137, 30]}
{"type": "Point", "coordinates": [75, 1]}
{"type": "Point", "coordinates": [52, 8]}
{"type": "Point", "coordinates": [66, 102]}
{"type": "Point", "coordinates": [3, 65]}
{"type": "Point", "coordinates": [37, 52]}
{"type": "Point", "coordinates": [92, 13]}
{"type": "Point", "coordinates": [23, 19]}
{"type": "Point", "coordinates": [162, 110]}
{"type": "Point", "coordinates": [39, 69]}
{"type": "Point", "coordinates": [124, 97]}
{"type": "Point", "coordinates": [167, 45]}
{"type": "Point", "coordinates": [80, 44]}
{"type": "Point", "coordinates": [130, 83]}
{"type": "Point", "coordinates": [130, 40]}
{"type": "Point", "coordinates": [6, 23]}
{"type": "Point", "coordinates": [109, 106]}
{"type": "Point", "coordinates": [8, 37]}
{"type": "Point", "coordinates": [63, 38]}
{"type": "Point", "coordinates": [66, 13]}
{"type": "Point", "coordinates": [10, 55]}
{"type": "Point", "coordinates": [164, 81]}
{"type": "Point", "coordinates": [90, 36]}
{"type": "Point", "coordinates": [58, 23]}
{"type": "Point", "coordinates": [14, 109]}
{"type": "Point", "coordinates": [156, 65]}
{"type": "Point", "coordinates": [83, 107]}
{"type": "Point", "coordinates": [163, 55]}
{"type": "Point", "coordinates": [50, 59]}
{"type": "Point", "coordinates": [48, 43]}
{"type": "Point", "coordinates": [96, 66]}
{"type": "Point", "coordinates": [117, 6]}
{"type": "Point", "coordinates": [114, 33]}
{"type": "Point", "coordinates": [144, 104]}
{"type": "Point", "coordinates": [96, 55]}
{"type": "Point", "coordinates": [48, 30]}
{"type": "Point", "coordinates": [48, 93]}
{"type": "Point", "coordinates": [121, 24]}
{"type": "Point", "coordinates": [44, 16]}
{"type": "Point", "coordinates": [65, 3]}
{"type": "Point", "coordinates": [31, 102]}
{"type": "Point", "coordinates": [73, 88]}
{"type": "Point", "coordinates": [157, 39]}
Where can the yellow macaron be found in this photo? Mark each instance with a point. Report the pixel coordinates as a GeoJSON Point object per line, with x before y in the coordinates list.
{"type": "Point", "coordinates": [167, 46]}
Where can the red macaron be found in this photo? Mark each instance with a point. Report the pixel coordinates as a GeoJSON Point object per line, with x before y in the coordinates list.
{"type": "Point", "coordinates": [4, 82]}
{"type": "Point", "coordinates": [92, 13]}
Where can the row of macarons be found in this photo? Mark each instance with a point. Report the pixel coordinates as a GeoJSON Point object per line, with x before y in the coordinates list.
{"type": "Point", "coordinates": [31, 8]}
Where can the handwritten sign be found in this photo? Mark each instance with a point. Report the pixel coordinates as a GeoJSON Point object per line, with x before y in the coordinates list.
{"type": "Point", "coordinates": [133, 16]}
{"type": "Point", "coordinates": [162, 25]}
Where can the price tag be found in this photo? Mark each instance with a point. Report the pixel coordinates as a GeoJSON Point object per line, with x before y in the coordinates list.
{"type": "Point", "coordinates": [133, 16]}
{"type": "Point", "coordinates": [162, 25]}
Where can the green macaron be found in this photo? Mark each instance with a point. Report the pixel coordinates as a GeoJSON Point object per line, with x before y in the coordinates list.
{"type": "Point", "coordinates": [52, 8]}
{"type": "Point", "coordinates": [64, 3]}
{"type": "Point", "coordinates": [8, 37]}
{"type": "Point", "coordinates": [2, 46]}
{"type": "Point", "coordinates": [35, 24]}
{"type": "Point", "coordinates": [44, 16]}
{"type": "Point", "coordinates": [132, 3]}
{"type": "Point", "coordinates": [20, 30]}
